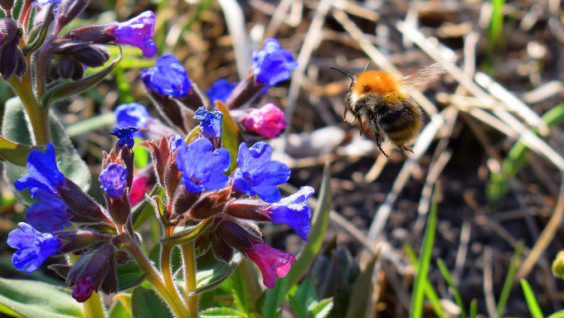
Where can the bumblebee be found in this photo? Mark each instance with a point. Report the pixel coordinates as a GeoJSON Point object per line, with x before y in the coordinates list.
{"type": "Point", "coordinates": [377, 99]}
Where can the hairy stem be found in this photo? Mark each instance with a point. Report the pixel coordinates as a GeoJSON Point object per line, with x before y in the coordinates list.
{"type": "Point", "coordinates": [189, 258]}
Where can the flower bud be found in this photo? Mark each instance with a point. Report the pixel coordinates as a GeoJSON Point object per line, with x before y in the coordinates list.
{"type": "Point", "coordinates": [12, 61]}
{"type": "Point", "coordinates": [70, 9]}
{"type": "Point", "coordinates": [7, 5]}
{"type": "Point", "coordinates": [558, 265]}
{"type": "Point", "coordinates": [267, 121]}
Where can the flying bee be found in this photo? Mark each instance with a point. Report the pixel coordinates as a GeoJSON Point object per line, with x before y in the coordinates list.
{"type": "Point", "coordinates": [377, 98]}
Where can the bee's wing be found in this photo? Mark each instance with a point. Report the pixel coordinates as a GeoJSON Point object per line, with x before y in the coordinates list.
{"type": "Point", "coordinates": [426, 76]}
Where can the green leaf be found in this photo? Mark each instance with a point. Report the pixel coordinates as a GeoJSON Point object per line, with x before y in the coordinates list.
{"type": "Point", "coordinates": [15, 128]}
{"type": "Point", "coordinates": [323, 308]}
{"type": "Point", "coordinates": [229, 135]}
{"type": "Point", "coordinates": [118, 309]}
{"type": "Point", "coordinates": [430, 291]}
{"type": "Point", "coordinates": [360, 303]}
{"type": "Point", "coordinates": [146, 303]}
{"type": "Point", "coordinates": [212, 272]}
{"type": "Point", "coordinates": [457, 297]}
{"type": "Point", "coordinates": [70, 88]}
{"type": "Point", "coordinates": [304, 301]}
{"type": "Point", "coordinates": [416, 308]}
{"type": "Point", "coordinates": [274, 298]}
{"type": "Point", "coordinates": [36, 299]}
{"type": "Point", "coordinates": [474, 309]}
{"type": "Point", "coordinates": [14, 152]}
{"type": "Point", "coordinates": [38, 34]}
{"type": "Point", "coordinates": [532, 303]}
{"type": "Point", "coordinates": [129, 275]}
{"type": "Point", "coordinates": [239, 289]}
{"type": "Point", "coordinates": [509, 279]}
{"type": "Point", "coordinates": [319, 223]}
{"type": "Point", "coordinates": [221, 312]}
{"type": "Point", "coordinates": [558, 314]}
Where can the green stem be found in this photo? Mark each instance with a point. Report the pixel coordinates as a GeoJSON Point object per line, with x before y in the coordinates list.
{"type": "Point", "coordinates": [169, 296]}
{"type": "Point", "coordinates": [37, 118]}
{"type": "Point", "coordinates": [189, 258]}
{"type": "Point", "coordinates": [93, 306]}
{"type": "Point", "coordinates": [166, 255]}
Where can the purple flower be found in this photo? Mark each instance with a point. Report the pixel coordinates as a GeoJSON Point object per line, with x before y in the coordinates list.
{"type": "Point", "coordinates": [220, 90]}
{"type": "Point", "coordinates": [49, 213]}
{"type": "Point", "coordinates": [138, 32]}
{"type": "Point", "coordinates": [167, 77]}
{"type": "Point", "coordinates": [268, 121]}
{"type": "Point", "coordinates": [113, 179]}
{"type": "Point", "coordinates": [293, 211]}
{"type": "Point", "coordinates": [33, 247]}
{"type": "Point", "coordinates": [83, 289]}
{"type": "Point", "coordinates": [272, 64]}
{"type": "Point", "coordinates": [210, 122]}
{"type": "Point", "coordinates": [43, 172]}
{"type": "Point", "coordinates": [201, 167]}
{"type": "Point", "coordinates": [271, 262]}
{"type": "Point", "coordinates": [125, 136]}
{"type": "Point", "coordinates": [257, 174]}
{"type": "Point", "coordinates": [132, 115]}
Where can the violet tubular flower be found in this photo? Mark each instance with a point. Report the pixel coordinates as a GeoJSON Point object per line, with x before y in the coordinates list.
{"type": "Point", "coordinates": [33, 247]}
{"type": "Point", "coordinates": [132, 115]}
{"type": "Point", "coordinates": [167, 77]}
{"type": "Point", "coordinates": [138, 32]}
{"type": "Point", "coordinates": [272, 64]}
{"type": "Point", "coordinates": [210, 122]}
{"type": "Point", "coordinates": [220, 90]}
{"type": "Point", "coordinates": [293, 211]}
{"type": "Point", "coordinates": [49, 214]}
{"type": "Point", "coordinates": [42, 172]}
{"type": "Point", "coordinates": [125, 136]}
{"type": "Point", "coordinates": [257, 174]}
{"type": "Point", "coordinates": [271, 262]}
{"type": "Point", "coordinates": [202, 168]}
{"type": "Point", "coordinates": [268, 121]}
{"type": "Point", "coordinates": [113, 179]}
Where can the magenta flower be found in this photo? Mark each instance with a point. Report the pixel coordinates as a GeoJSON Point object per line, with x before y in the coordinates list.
{"type": "Point", "coordinates": [139, 187]}
{"type": "Point", "coordinates": [33, 247]}
{"type": "Point", "coordinates": [268, 121]}
{"type": "Point", "coordinates": [271, 262]}
{"type": "Point", "coordinates": [83, 289]}
{"type": "Point", "coordinates": [138, 32]}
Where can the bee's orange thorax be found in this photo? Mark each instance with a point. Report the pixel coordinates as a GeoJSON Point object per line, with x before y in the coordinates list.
{"type": "Point", "coordinates": [376, 82]}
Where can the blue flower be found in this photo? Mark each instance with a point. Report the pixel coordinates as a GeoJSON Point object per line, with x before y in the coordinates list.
{"type": "Point", "coordinates": [113, 179]}
{"type": "Point", "coordinates": [33, 247]}
{"type": "Point", "coordinates": [49, 213]}
{"type": "Point", "coordinates": [138, 32]}
{"type": "Point", "coordinates": [167, 77]}
{"type": "Point", "coordinates": [210, 122]}
{"type": "Point", "coordinates": [257, 174]}
{"type": "Point", "coordinates": [175, 142]}
{"type": "Point", "coordinates": [293, 211]}
{"type": "Point", "coordinates": [125, 136]}
{"type": "Point", "coordinates": [220, 90]}
{"type": "Point", "coordinates": [272, 64]}
{"type": "Point", "coordinates": [132, 115]}
{"type": "Point", "coordinates": [43, 172]}
{"type": "Point", "coordinates": [201, 167]}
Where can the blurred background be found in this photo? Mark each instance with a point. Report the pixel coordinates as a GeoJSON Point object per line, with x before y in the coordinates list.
{"type": "Point", "coordinates": [492, 145]}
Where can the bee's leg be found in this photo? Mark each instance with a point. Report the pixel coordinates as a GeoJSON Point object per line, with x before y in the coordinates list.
{"type": "Point", "coordinates": [407, 149]}
{"type": "Point", "coordinates": [376, 132]}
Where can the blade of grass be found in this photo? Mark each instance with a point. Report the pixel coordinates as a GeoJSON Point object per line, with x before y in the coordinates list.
{"type": "Point", "coordinates": [430, 292]}
{"type": "Point", "coordinates": [457, 297]}
{"type": "Point", "coordinates": [473, 309]}
{"type": "Point", "coordinates": [532, 303]}
{"type": "Point", "coordinates": [416, 308]}
{"type": "Point", "coordinates": [509, 279]}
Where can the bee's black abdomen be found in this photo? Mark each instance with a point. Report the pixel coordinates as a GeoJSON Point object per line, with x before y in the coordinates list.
{"type": "Point", "coordinates": [400, 121]}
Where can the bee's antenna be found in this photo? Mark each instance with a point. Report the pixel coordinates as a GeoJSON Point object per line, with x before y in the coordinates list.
{"type": "Point", "coordinates": [343, 72]}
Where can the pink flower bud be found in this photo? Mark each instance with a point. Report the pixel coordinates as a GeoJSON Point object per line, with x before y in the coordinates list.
{"type": "Point", "coordinates": [267, 121]}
